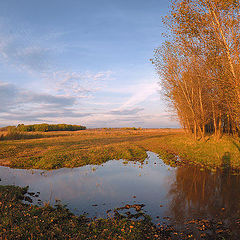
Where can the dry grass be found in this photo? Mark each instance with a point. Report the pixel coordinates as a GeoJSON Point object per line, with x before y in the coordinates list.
{"type": "Point", "coordinates": [72, 149]}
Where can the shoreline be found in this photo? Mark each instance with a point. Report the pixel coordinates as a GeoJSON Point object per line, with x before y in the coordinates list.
{"type": "Point", "coordinates": [95, 147]}
{"type": "Point", "coordinates": [20, 220]}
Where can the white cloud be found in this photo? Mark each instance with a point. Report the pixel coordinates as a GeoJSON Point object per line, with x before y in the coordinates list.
{"type": "Point", "coordinates": [137, 94]}
{"type": "Point", "coordinates": [69, 96]}
{"type": "Point", "coordinates": [24, 105]}
{"type": "Point", "coordinates": [20, 105]}
{"type": "Point", "coordinates": [133, 111]}
{"type": "Point", "coordinates": [20, 52]}
{"type": "Point", "coordinates": [140, 93]}
{"type": "Point", "coordinates": [77, 84]}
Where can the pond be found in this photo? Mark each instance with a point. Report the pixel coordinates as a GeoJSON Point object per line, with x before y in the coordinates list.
{"type": "Point", "coordinates": [168, 194]}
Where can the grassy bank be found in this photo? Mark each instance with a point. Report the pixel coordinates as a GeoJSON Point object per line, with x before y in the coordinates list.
{"type": "Point", "coordinates": [24, 221]}
{"type": "Point", "coordinates": [211, 153]}
{"type": "Point", "coordinates": [98, 146]}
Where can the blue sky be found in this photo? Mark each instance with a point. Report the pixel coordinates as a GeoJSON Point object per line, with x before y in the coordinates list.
{"type": "Point", "coordinates": [81, 62]}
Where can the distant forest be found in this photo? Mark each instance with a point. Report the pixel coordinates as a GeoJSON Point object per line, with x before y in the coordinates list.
{"type": "Point", "coordinates": [44, 127]}
{"type": "Point", "coordinates": [199, 65]}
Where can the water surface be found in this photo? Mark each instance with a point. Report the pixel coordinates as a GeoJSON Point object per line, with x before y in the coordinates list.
{"type": "Point", "coordinates": [169, 194]}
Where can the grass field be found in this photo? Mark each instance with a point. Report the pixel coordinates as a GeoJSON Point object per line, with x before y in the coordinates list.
{"type": "Point", "coordinates": [72, 149]}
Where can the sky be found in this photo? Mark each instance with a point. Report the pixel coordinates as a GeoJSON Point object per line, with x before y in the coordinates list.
{"type": "Point", "coordinates": [82, 62]}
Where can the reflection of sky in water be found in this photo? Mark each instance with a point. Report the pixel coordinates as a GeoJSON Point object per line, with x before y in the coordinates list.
{"type": "Point", "coordinates": [111, 185]}
{"type": "Point", "coordinates": [184, 192]}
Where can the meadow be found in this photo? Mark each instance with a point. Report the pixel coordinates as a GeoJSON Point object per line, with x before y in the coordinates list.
{"type": "Point", "coordinates": [52, 150]}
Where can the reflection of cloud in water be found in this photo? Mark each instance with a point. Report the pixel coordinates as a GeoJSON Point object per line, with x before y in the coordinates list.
{"type": "Point", "coordinates": [184, 192]}
{"type": "Point", "coordinates": [111, 183]}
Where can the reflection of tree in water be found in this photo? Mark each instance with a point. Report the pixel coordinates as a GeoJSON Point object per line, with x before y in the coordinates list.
{"type": "Point", "coordinates": [202, 194]}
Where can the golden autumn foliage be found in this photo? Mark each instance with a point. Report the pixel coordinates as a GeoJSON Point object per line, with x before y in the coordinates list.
{"type": "Point", "coordinates": [199, 66]}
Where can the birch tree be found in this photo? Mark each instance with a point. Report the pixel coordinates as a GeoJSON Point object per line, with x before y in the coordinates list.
{"type": "Point", "coordinates": [200, 65]}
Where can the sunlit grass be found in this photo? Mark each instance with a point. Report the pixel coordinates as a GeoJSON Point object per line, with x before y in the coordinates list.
{"type": "Point", "coordinates": [98, 146]}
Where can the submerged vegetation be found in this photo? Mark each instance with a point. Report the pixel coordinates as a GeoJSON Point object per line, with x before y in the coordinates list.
{"type": "Point", "coordinates": [98, 146]}
{"type": "Point", "coordinates": [19, 220]}
{"type": "Point", "coordinates": [24, 221]}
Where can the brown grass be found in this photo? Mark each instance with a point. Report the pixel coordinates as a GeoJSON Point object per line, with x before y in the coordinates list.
{"type": "Point", "coordinates": [95, 146]}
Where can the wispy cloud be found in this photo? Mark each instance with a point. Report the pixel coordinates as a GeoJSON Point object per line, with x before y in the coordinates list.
{"type": "Point", "coordinates": [12, 96]}
{"type": "Point", "coordinates": [22, 53]}
{"type": "Point", "coordinates": [126, 111]}
{"type": "Point", "coordinates": [140, 93]}
{"type": "Point", "coordinates": [20, 104]}
{"type": "Point", "coordinates": [77, 84]}
{"type": "Point", "coordinates": [54, 91]}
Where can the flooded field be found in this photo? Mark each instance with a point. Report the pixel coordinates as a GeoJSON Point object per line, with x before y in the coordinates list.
{"type": "Point", "coordinates": [171, 195]}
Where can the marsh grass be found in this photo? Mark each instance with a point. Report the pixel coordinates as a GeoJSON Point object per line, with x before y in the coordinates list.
{"type": "Point", "coordinates": [208, 154]}
{"type": "Point", "coordinates": [81, 148]}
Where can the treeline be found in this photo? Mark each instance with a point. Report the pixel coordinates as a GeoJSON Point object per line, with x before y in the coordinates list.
{"type": "Point", "coordinates": [44, 127]}
{"type": "Point", "coordinates": [199, 66]}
